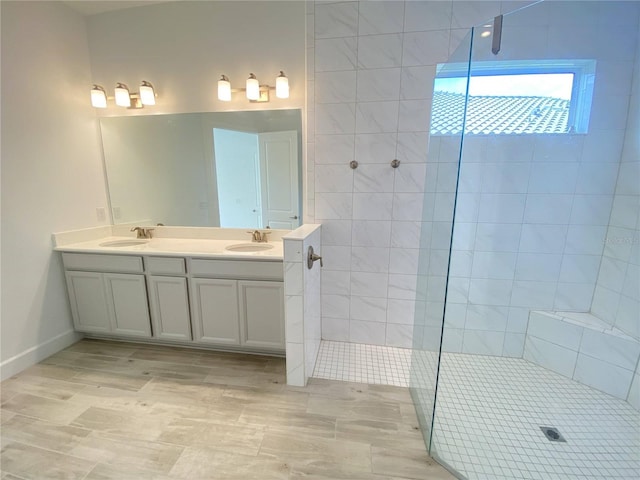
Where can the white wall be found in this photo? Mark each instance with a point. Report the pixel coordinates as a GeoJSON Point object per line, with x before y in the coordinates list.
{"type": "Point", "coordinates": [52, 174]}
{"type": "Point", "coordinates": [184, 47]}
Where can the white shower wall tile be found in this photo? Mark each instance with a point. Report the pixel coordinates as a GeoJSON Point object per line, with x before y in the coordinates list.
{"type": "Point", "coordinates": [399, 335]}
{"type": "Point", "coordinates": [333, 178]}
{"type": "Point", "coordinates": [335, 232]}
{"type": "Point", "coordinates": [401, 311]}
{"type": "Point", "coordinates": [376, 117]}
{"type": "Point", "coordinates": [372, 309]}
{"type": "Point", "coordinates": [603, 376]}
{"type": "Point", "coordinates": [422, 16]}
{"type": "Point", "coordinates": [370, 259]}
{"type": "Point", "coordinates": [364, 284]}
{"type": "Point", "coordinates": [371, 233]}
{"type": "Point", "coordinates": [378, 85]}
{"type": "Point", "coordinates": [375, 147]}
{"type": "Point", "coordinates": [336, 329]}
{"type": "Point", "coordinates": [294, 313]}
{"type": "Point", "coordinates": [521, 189]}
{"type": "Point", "coordinates": [334, 206]}
{"type": "Point", "coordinates": [413, 147]}
{"type": "Point", "coordinates": [335, 87]}
{"type": "Point", "coordinates": [335, 306]}
{"type": "Point", "coordinates": [339, 118]}
{"type": "Point", "coordinates": [336, 54]}
{"type": "Point", "coordinates": [372, 333]}
{"type": "Point", "coordinates": [373, 178]}
{"type": "Point", "coordinates": [414, 52]}
{"type": "Point", "coordinates": [336, 20]}
{"type": "Point", "coordinates": [549, 355]}
{"type": "Point", "coordinates": [372, 206]}
{"type": "Point", "coordinates": [334, 149]}
{"type": "Point", "coordinates": [379, 51]}
{"type": "Point", "coordinates": [336, 257]}
{"type": "Point", "coordinates": [381, 17]}
{"type": "Point", "coordinates": [417, 82]}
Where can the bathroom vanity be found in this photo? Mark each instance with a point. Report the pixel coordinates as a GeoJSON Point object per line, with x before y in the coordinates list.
{"type": "Point", "coordinates": [225, 293]}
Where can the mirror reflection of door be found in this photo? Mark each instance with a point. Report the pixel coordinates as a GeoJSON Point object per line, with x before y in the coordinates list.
{"type": "Point", "coordinates": [238, 178]}
{"type": "Point", "coordinates": [257, 178]}
{"type": "Point", "coordinates": [279, 179]}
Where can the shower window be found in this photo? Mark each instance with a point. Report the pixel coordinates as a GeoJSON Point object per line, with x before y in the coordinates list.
{"type": "Point", "coordinates": [524, 97]}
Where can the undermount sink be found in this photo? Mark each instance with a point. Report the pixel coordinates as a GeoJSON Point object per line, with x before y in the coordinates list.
{"type": "Point", "coordinates": [123, 243]}
{"type": "Point", "coordinates": [249, 247]}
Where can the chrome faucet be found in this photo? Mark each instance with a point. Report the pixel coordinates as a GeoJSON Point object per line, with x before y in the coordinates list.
{"type": "Point", "coordinates": [142, 232]}
{"type": "Point", "coordinates": [257, 236]}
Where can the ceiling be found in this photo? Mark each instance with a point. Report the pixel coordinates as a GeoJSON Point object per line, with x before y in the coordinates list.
{"type": "Point", "coordinates": [93, 7]}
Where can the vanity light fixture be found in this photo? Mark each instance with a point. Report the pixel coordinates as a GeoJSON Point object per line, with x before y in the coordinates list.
{"type": "Point", "coordinates": [253, 90]}
{"type": "Point", "coordinates": [147, 93]}
{"type": "Point", "coordinates": [224, 89]}
{"type": "Point", "coordinates": [123, 98]}
{"type": "Point", "coordinates": [98, 96]}
{"type": "Point", "coordinates": [282, 85]}
{"type": "Point", "coordinates": [253, 87]}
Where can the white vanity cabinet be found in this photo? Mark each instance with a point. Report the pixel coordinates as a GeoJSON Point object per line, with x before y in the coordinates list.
{"type": "Point", "coordinates": [168, 298]}
{"type": "Point", "coordinates": [231, 306]}
{"type": "Point", "coordinates": [105, 302]}
{"type": "Point", "coordinates": [261, 313]}
{"type": "Point", "coordinates": [235, 304]}
{"type": "Point", "coordinates": [215, 311]}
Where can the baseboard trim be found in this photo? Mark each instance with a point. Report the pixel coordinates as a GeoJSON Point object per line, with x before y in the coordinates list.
{"type": "Point", "coordinates": [36, 354]}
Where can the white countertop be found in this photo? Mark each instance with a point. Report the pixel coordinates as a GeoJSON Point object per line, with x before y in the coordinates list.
{"type": "Point", "coordinates": [184, 247]}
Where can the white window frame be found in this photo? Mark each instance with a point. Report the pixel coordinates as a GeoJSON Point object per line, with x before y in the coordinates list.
{"type": "Point", "coordinates": [583, 70]}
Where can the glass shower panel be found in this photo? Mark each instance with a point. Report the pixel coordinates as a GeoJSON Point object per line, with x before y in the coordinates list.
{"type": "Point", "coordinates": [541, 336]}
{"type": "Point", "coordinates": [447, 115]}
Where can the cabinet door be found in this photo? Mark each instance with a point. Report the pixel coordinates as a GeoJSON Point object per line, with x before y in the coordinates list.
{"type": "Point", "coordinates": [215, 311]}
{"type": "Point", "coordinates": [88, 302]}
{"type": "Point", "coordinates": [262, 314]}
{"type": "Point", "coordinates": [169, 305]}
{"type": "Point", "coordinates": [128, 306]}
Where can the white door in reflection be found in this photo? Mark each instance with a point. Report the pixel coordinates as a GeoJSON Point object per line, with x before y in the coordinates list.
{"type": "Point", "coordinates": [257, 178]}
{"type": "Point", "coordinates": [238, 178]}
{"type": "Point", "coordinates": [279, 179]}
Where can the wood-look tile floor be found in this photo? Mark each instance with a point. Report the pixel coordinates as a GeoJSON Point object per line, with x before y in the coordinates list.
{"type": "Point", "coordinates": [108, 410]}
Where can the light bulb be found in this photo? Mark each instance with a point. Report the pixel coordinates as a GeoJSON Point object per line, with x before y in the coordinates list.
{"type": "Point", "coordinates": [282, 85]}
{"type": "Point", "coordinates": [253, 87]}
{"type": "Point", "coordinates": [98, 97]}
{"type": "Point", "coordinates": [224, 89]}
{"type": "Point", "coordinates": [147, 93]}
{"type": "Point", "coordinates": [122, 95]}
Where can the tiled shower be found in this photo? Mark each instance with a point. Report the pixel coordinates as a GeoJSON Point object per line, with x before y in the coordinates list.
{"type": "Point", "coordinates": [507, 258]}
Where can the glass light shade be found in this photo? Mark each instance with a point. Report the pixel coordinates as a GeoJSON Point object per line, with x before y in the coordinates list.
{"type": "Point", "coordinates": [253, 87]}
{"type": "Point", "coordinates": [122, 95]}
{"type": "Point", "coordinates": [147, 94]}
{"type": "Point", "coordinates": [98, 97]}
{"type": "Point", "coordinates": [282, 86]}
{"type": "Point", "coordinates": [224, 89]}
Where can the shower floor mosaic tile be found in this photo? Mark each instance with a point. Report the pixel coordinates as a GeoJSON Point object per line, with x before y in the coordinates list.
{"type": "Point", "coordinates": [354, 362]}
{"type": "Point", "coordinates": [489, 413]}
{"type": "Point", "coordinates": [490, 410]}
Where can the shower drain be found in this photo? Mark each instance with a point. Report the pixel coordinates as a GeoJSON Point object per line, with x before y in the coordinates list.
{"type": "Point", "coordinates": [552, 434]}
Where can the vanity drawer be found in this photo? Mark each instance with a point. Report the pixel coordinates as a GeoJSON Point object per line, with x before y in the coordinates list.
{"type": "Point", "coordinates": [238, 269]}
{"type": "Point", "coordinates": [165, 265]}
{"type": "Point", "coordinates": [102, 263]}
